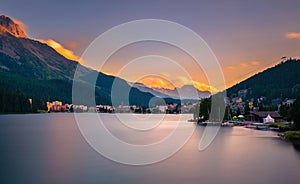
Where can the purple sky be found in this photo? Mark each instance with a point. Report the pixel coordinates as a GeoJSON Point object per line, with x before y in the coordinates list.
{"type": "Point", "coordinates": [246, 36]}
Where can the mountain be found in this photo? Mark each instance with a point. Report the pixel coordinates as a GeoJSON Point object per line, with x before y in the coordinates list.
{"type": "Point", "coordinates": [36, 70]}
{"type": "Point", "coordinates": [8, 26]}
{"type": "Point", "coordinates": [279, 82]}
{"type": "Point", "coordinates": [186, 92]}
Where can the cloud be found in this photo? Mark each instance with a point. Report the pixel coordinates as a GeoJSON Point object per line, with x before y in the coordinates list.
{"type": "Point", "coordinates": [165, 74]}
{"type": "Point", "coordinates": [157, 82]}
{"type": "Point", "coordinates": [292, 35]}
{"type": "Point", "coordinates": [255, 63]}
{"type": "Point", "coordinates": [243, 65]}
{"type": "Point", "coordinates": [204, 87]}
{"type": "Point", "coordinates": [60, 49]}
{"type": "Point", "coordinates": [231, 67]}
{"type": "Point", "coordinates": [71, 44]}
{"type": "Point", "coordinates": [182, 80]}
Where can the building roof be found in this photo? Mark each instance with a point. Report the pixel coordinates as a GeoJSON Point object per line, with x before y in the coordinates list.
{"type": "Point", "coordinates": [263, 114]}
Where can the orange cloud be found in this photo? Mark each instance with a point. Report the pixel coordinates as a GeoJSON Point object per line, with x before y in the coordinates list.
{"type": "Point", "coordinates": [60, 49]}
{"type": "Point", "coordinates": [255, 63]}
{"type": "Point", "coordinates": [236, 73]}
{"type": "Point", "coordinates": [200, 86]}
{"type": "Point", "coordinates": [230, 67]}
{"type": "Point", "coordinates": [71, 44]}
{"type": "Point", "coordinates": [157, 82]}
{"type": "Point", "coordinates": [183, 80]}
{"type": "Point", "coordinates": [243, 65]}
{"type": "Point", "coordinates": [204, 87]}
{"type": "Point", "coordinates": [165, 74]}
{"type": "Point", "coordinates": [292, 35]}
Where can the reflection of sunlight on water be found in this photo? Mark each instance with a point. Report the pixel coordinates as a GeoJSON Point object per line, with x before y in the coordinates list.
{"type": "Point", "coordinates": [146, 122]}
{"type": "Point", "coordinates": [131, 128]}
{"type": "Point", "coordinates": [242, 131]}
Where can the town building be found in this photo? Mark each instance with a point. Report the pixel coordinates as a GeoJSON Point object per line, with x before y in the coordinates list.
{"type": "Point", "coordinates": [260, 115]}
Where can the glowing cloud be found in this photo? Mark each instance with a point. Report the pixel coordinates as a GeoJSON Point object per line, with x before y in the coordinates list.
{"type": "Point", "coordinates": [157, 82]}
{"type": "Point", "coordinates": [241, 71]}
{"type": "Point", "coordinates": [60, 49]}
{"type": "Point", "coordinates": [182, 80]}
{"type": "Point", "coordinates": [255, 63]}
{"type": "Point", "coordinates": [244, 65]}
{"type": "Point", "coordinates": [204, 87]}
{"type": "Point", "coordinates": [165, 74]}
{"type": "Point", "coordinates": [71, 44]}
{"type": "Point", "coordinates": [292, 35]}
{"type": "Point", "coordinates": [230, 67]}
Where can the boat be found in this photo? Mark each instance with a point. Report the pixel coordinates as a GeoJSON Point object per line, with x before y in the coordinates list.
{"type": "Point", "coordinates": [250, 126]}
{"type": "Point", "coordinates": [274, 128]}
{"type": "Point", "coordinates": [262, 127]}
{"type": "Point", "coordinates": [227, 124]}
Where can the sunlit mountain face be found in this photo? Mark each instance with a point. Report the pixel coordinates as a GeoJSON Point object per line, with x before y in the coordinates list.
{"type": "Point", "coordinates": [13, 27]}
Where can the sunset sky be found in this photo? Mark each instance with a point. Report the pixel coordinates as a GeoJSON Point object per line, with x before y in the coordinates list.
{"type": "Point", "coordinates": [245, 36]}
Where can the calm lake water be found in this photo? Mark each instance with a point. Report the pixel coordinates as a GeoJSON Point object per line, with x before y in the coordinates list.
{"type": "Point", "coordinates": [49, 148]}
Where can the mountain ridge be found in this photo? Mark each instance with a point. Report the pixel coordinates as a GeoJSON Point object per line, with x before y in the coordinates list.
{"type": "Point", "coordinates": [37, 70]}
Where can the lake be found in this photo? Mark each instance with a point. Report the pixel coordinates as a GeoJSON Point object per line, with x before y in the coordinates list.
{"type": "Point", "coordinates": [49, 148]}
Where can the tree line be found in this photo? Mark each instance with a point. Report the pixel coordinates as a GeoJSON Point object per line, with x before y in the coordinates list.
{"type": "Point", "coordinates": [11, 102]}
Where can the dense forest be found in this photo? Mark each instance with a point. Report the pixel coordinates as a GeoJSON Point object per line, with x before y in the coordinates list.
{"type": "Point", "coordinates": [294, 113]}
{"type": "Point", "coordinates": [281, 81]}
{"type": "Point", "coordinates": [11, 102]}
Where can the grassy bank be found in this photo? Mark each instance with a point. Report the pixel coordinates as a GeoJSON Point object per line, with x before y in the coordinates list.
{"type": "Point", "coordinates": [292, 135]}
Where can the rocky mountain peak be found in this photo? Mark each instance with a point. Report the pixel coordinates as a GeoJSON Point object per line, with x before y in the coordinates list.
{"type": "Point", "coordinates": [7, 25]}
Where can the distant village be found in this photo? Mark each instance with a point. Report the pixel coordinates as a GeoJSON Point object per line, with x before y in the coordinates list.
{"type": "Point", "coordinates": [171, 108]}
{"type": "Point", "coordinates": [239, 109]}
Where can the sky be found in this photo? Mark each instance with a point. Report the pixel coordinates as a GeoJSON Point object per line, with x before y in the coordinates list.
{"type": "Point", "coordinates": [245, 36]}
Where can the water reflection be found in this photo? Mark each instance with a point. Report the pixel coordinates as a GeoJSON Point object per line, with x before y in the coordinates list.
{"type": "Point", "coordinates": [296, 145]}
{"type": "Point", "coordinates": [49, 148]}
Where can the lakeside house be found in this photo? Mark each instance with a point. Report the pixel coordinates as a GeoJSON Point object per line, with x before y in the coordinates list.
{"type": "Point", "coordinates": [261, 115]}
